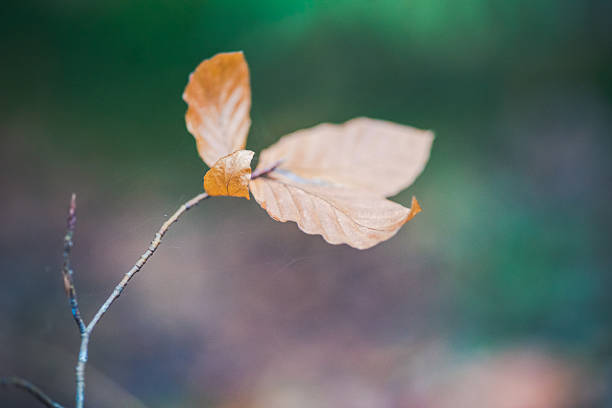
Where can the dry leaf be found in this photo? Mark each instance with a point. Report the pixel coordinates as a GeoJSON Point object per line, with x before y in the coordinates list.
{"type": "Point", "coordinates": [230, 175]}
{"type": "Point", "coordinates": [358, 218]}
{"type": "Point", "coordinates": [219, 99]}
{"type": "Point", "coordinates": [375, 155]}
{"type": "Point", "coordinates": [330, 179]}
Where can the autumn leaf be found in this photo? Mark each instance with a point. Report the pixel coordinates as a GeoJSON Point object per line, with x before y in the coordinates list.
{"type": "Point", "coordinates": [219, 98]}
{"type": "Point", "coordinates": [230, 175]}
{"type": "Point", "coordinates": [330, 179]}
{"type": "Point", "coordinates": [379, 156]}
{"type": "Point", "coordinates": [358, 218]}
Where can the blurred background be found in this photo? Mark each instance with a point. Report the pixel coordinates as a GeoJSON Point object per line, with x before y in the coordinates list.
{"type": "Point", "coordinates": [497, 295]}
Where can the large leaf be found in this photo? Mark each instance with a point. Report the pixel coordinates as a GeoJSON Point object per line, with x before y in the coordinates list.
{"type": "Point", "coordinates": [230, 175]}
{"type": "Point", "coordinates": [375, 155]}
{"type": "Point", "coordinates": [341, 215]}
{"type": "Point", "coordinates": [219, 98]}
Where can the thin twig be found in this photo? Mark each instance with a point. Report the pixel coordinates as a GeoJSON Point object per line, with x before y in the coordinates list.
{"type": "Point", "coordinates": [80, 368]}
{"type": "Point", "coordinates": [84, 329]}
{"type": "Point", "coordinates": [31, 389]}
{"type": "Point", "coordinates": [85, 335]}
{"type": "Point", "coordinates": [67, 271]}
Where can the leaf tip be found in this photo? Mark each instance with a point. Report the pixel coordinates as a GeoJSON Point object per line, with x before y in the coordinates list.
{"type": "Point", "coordinates": [415, 208]}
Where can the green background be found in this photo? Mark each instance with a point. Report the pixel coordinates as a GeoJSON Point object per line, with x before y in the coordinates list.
{"type": "Point", "coordinates": [511, 251]}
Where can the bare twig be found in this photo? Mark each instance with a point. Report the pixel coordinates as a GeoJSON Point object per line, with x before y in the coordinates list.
{"type": "Point", "coordinates": [86, 334]}
{"type": "Point", "coordinates": [31, 389]}
{"type": "Point", "coordinates": [80, 368]}
{"type": "Point", "coordinates": [67, 271]}
{"type": "Point", "coordinates": [87, 329]}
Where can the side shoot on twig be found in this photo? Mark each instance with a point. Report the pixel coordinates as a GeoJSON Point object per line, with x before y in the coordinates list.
{"type": "Point", "coordinates": [332, 180]}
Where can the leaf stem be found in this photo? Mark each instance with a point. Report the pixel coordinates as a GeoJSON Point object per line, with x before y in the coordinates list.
{"type": "Point", "coordinates": [262, 172]}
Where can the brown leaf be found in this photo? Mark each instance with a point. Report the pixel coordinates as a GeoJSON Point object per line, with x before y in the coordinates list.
{"type": "Point", "coordinates": [375, 155]}
{"type": "Point", "coordinates": [219, 98]}
{"type": "Point", "coordinates": [358, 218]}
{"type": "Point", "coordinates": [230, 175]}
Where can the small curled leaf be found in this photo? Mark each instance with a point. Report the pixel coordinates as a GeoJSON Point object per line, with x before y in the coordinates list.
{"type": "Point", "coordinates": [230, 175]}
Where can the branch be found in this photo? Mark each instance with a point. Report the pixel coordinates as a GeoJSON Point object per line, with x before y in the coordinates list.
{"type": "Point", "coordinates": [144, 257]}
{"type": "Point", "coordinates": [31, 389]}
{"type": "Point", "coordinates": [85, 335]}
{"type": "Point", "coordinates": [68, 275]}
{"type": "Point", "coordinates": [67, 271]}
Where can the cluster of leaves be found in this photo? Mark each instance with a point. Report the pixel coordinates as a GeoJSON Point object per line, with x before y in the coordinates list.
{"type": "Point", "coordinates": [331, 180]}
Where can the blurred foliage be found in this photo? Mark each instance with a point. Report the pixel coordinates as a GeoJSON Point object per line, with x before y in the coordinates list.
{"type": "Point", "coordinates": [517, 192]}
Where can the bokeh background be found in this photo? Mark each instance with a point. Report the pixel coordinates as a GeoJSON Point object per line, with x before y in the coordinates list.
{"type": "Point", "coordinates": [497, 295]}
